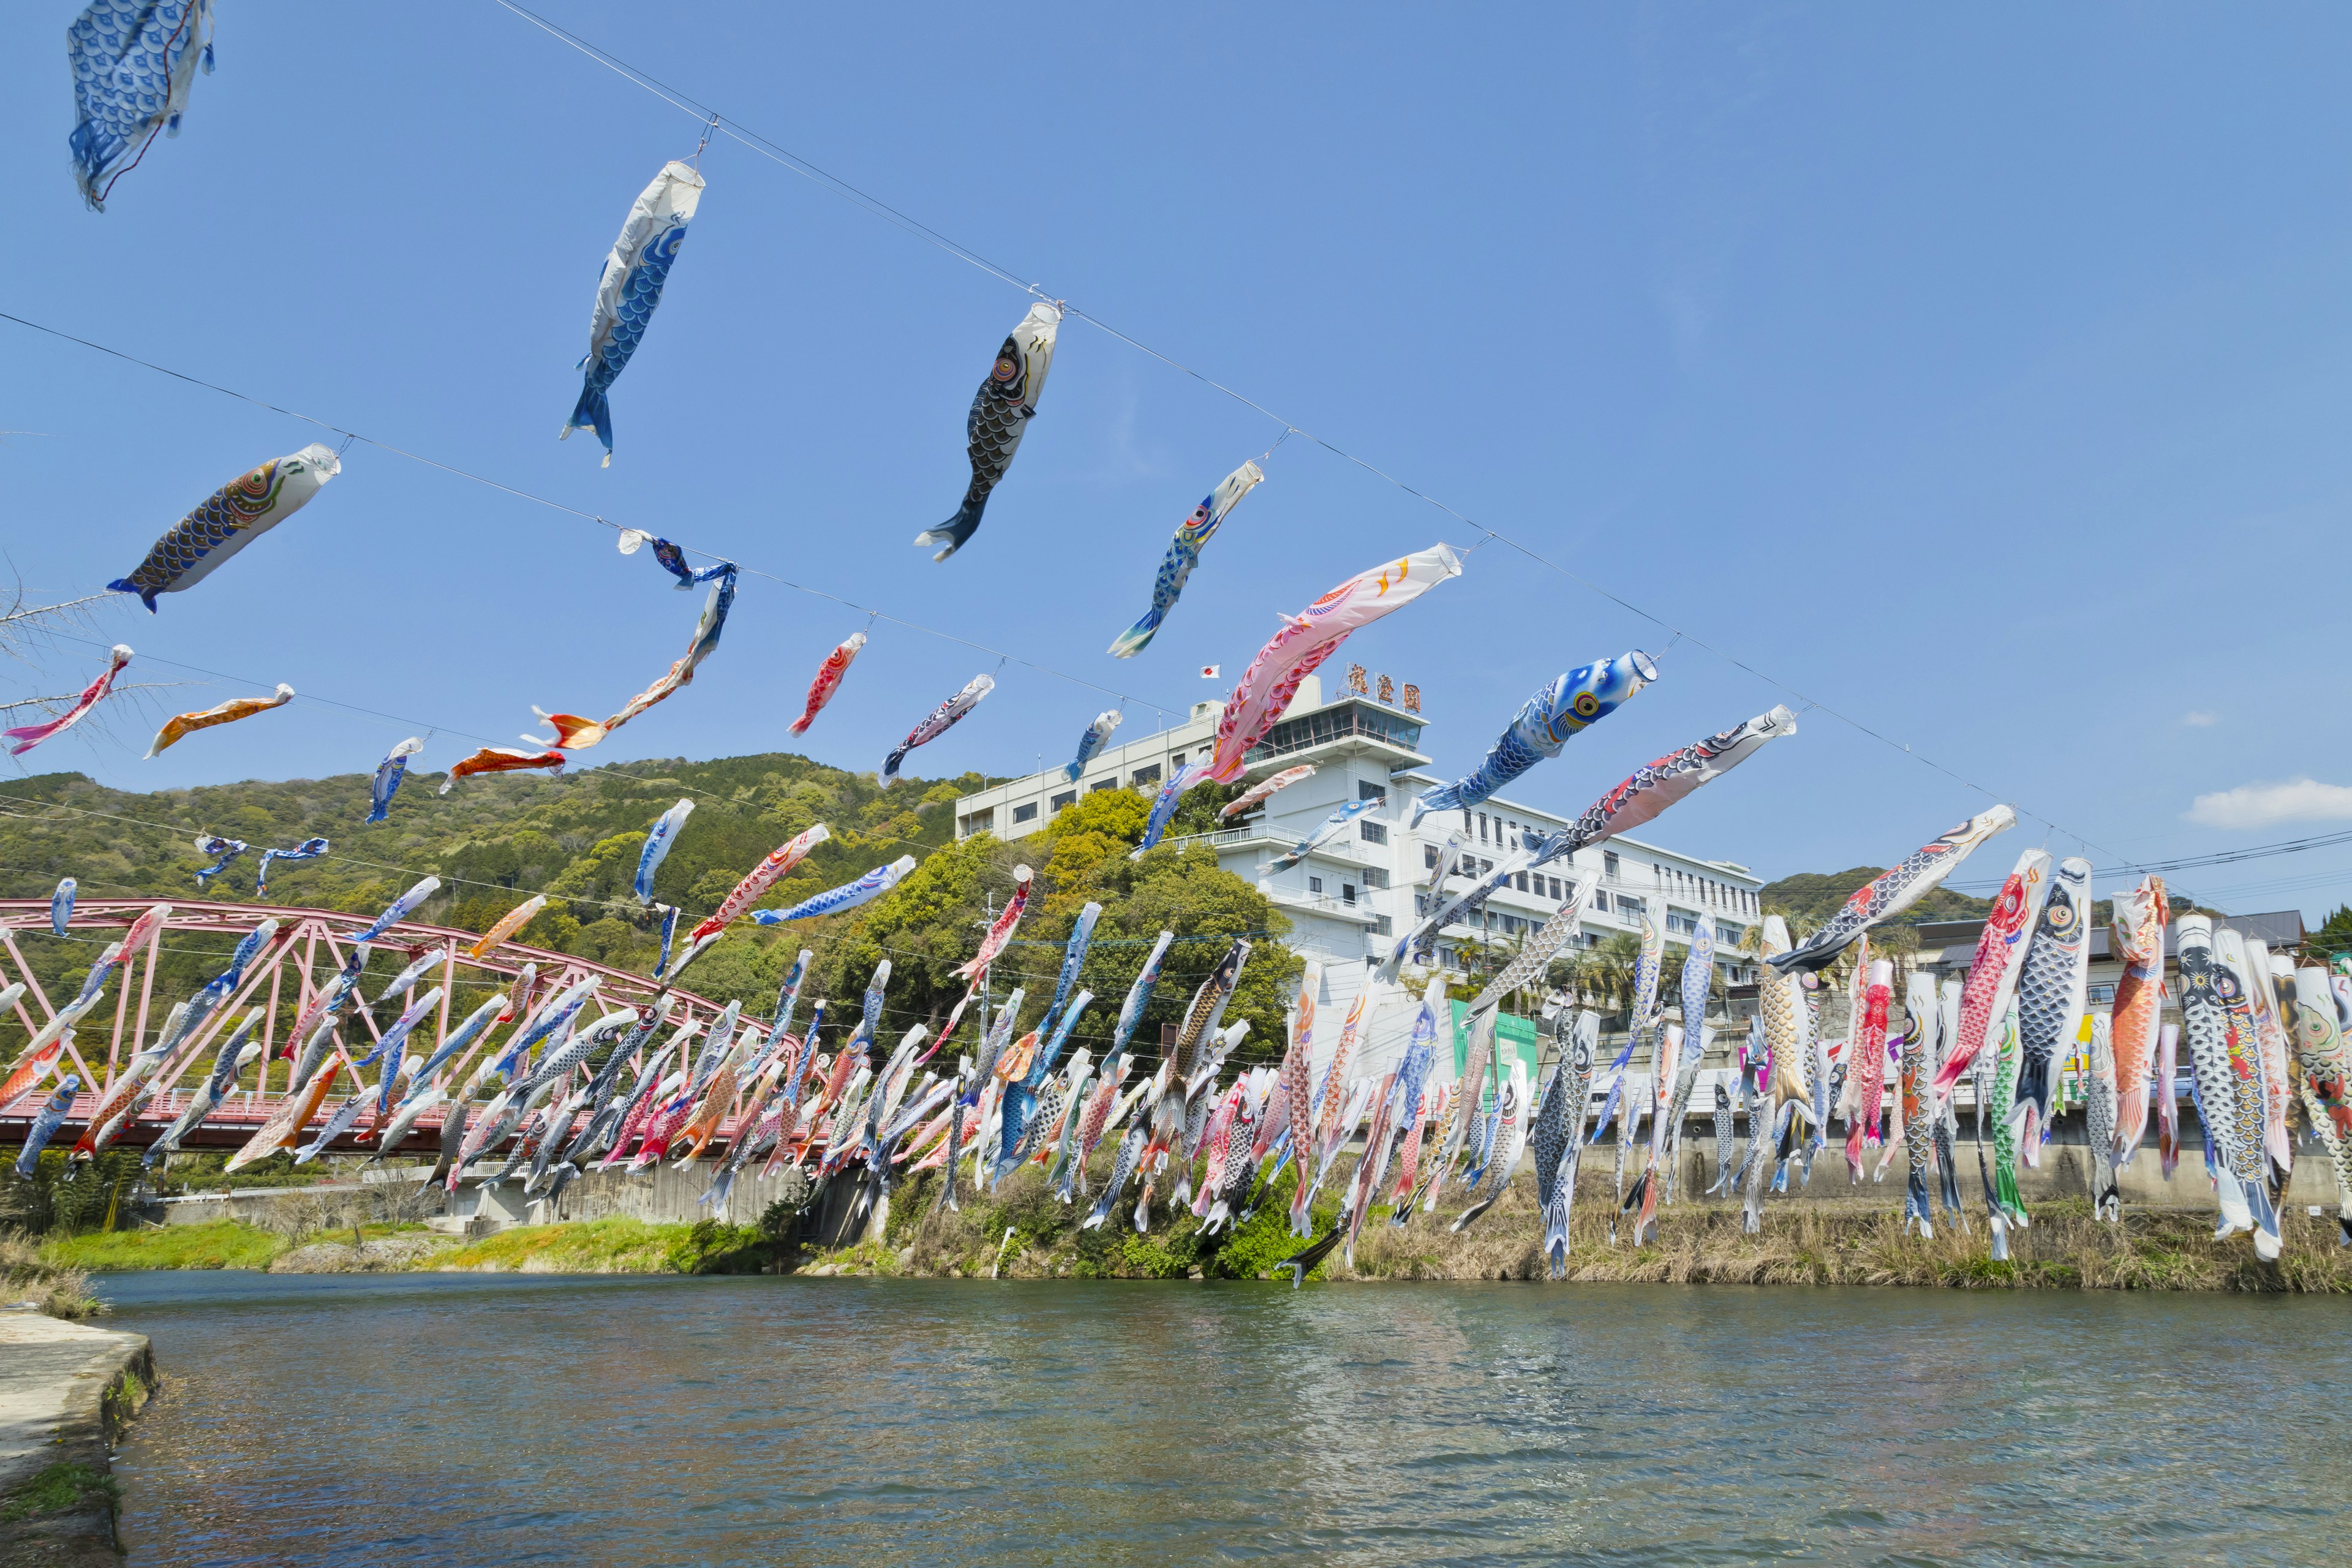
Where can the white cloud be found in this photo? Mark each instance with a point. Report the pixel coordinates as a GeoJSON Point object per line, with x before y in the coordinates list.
{"type": "Point", "coordinates": [2263, 805]}
{"type": "Point", "coordinates": [2200, 720]}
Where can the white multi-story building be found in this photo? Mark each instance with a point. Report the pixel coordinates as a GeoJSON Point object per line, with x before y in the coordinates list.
{"type": "Point", "coordinates": [1352, 895]}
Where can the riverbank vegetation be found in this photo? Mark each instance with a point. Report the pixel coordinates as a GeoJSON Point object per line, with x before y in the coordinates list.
{"type": "Point", "coordinates": [56, 1286]}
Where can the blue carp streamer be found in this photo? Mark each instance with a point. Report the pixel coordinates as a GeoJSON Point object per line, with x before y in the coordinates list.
{"type": "Point", "coordinates": [1091, 741]}
{"type": "Point", "coordinates": [223, 850]}
{"type": "Point", "coordinates": [848, 896]}
{"type": "Point", "coordinates": [1192, 536]}
{"type": "Point", "coordinates": [1323, 830]}
{"type": "Point", "coordinates": [388, 775]}
{"type": "Point", "coordinates": [630, 288]}
{"type": "Point", "coordinates": [1164, 806]}
{"type": "Point", "coordinates": [132, 62]}
{"type": "Point", "coordinates": [657, 842]}
{"type": "Point", "coordinates": [308, 849]}
{"type": "Point", "coordinates": [61, 903]}
{"type": "Point", "coordinates": [1545, 722]}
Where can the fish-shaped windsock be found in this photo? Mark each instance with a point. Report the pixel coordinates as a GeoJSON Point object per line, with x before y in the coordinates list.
{"type": "Point", "coordinates": [1992, 983]}
{"type": "Point", "coordinates": [26, 736]}
{"type": "Point", "coordinates": [2051, 990]}
{"type": "Point", "coordinates": [1257, 795]}
{"type": "Point", "coordinates": [2137, 940]}
{"type": "Point", "coordinates": [2228, 1082]}
{"type": "Point", "coordinates": [1545, 722]}
{"type": "Point", "coordinates": [507, 925]}
{"type": "Point", "coordinates": [629, 288]}
{"type": "Point", "coordinates": [459, 1038]}
{"type": "Point", "coordinates": [757, 880]}
{"type": "Point", "coordinates": [939, 721]}
{"type": "Point", "coordinates": [230, 712]}
{"type": "Point", "coordinates": [1001, 412]}
{"type": "Point", "coordinates": [407, 978]}
{"type": "Point", "coordinates": [1091, 741]}
{"type": "Point", "coordinates": [574, 732]}
{"type": "Point", "coordinates": [132, 62]}
{"type": "Point", "coordinates": [231, 518]}
{"type": "Point", "coordinates": [61, 903]}
{"type": "Point", "coordinates": [500, 760]}
{"type": "Point", "coordinates": [1323, 830]}
{"type": "Point", "coordinates": [848, 896]}
{"type": "Point", "coordinates": [388, 775]}
{"type": "Point", "coordinates": [1192, 536]}
{"type": "Point", "coordinates": [1309, 638]}
{"type": "Point", "coordinates": [46, 1123]}
{"type": "Point", "coordinates": [1163, 807]}
{"type": "Point", "coordinates": [399, 910]}
{"type": "Point", "coordinates": [1894, 891]}
{"type": "Point", "coordinates": [829, 676]}
{"type": "Point", "coordinates": [1001, 931]}
{"type": "Point", "coordinates": [671, 558]}
{"type": "Point", "coordinates": [308, 849]}
{"type": "Point", "coordinates": [657, 842]}
{"type": "Point", "coordinates": [223, 852]}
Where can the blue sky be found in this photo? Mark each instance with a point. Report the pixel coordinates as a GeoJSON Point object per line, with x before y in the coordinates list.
{"type": "Point", "coordinates": [1980, 377]}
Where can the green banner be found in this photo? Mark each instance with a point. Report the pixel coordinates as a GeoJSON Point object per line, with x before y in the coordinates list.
{"type": "Point", "coordinates": [1512, 1032]}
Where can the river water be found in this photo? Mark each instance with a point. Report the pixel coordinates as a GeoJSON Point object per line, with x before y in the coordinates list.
{"type": "Point", "coordinates": [452, 1419]}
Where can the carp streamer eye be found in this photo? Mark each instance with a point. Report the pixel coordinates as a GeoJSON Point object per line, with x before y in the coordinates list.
{"type": "Point", "coordinates": [1586, 705]}
{"type": "Point", "coordinates": [1005, 369]}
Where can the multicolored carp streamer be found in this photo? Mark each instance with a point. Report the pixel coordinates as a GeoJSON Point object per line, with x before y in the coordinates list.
{"type": "Point", "coordinates": [132, 62]}
{"type": "Point", "coordinates": [941, 720]}
{"type": "Point", "coordinates": [61, 903]}
{"type": "Point", "coordinates": [2229, 1089]}
{"type": "Point", "coordinates": [1192, 536]}
{"type": "Point", "coordinates": [1309, 638]}
{"type": "Point", "coordinates": [1091, 741]}
{"type": "Point", "coordinates": [1258, 792]}
{"type": "Point", "coordinates": [575, 734]}
{"type": "Point", "coordinates": [308, 849]}
{"type": "Point", "coordinates": [1639, 798]}
{"type": "Point", "coordinates": [629, 290]}
{"type": "Point", "coordinates": [231, 518]}
{"type": "Point", "coordinates": [829, 676]}
{"type": "Point", "coordinates": [1001, 412]}
{"type": "Point", "coordinates": [399, 910]}
{"type": "Point", "coordinates": [507, 925]}
{"type": "Point", "coordinates": [1992, 983]}
{"type": "Point", "coordinates": [848, 896]}
{"type": "Point", "coordinates": [223, 851]}
{"type": "Point", "coordinates": [759, 879]}
{"type": "Point", "coordinates": [388, 775]}
{"type": "Point", "coordinates": [227, 712]}
{"type": "Point", "coordinates": [46, 1123]}
{"type": "Point", "coordinates": [1001, 931]}
{"type": "Point", "coordinates": [657, 842]}
{"type": "Point", "coordinates": [2137, 940]}
{"type": "Point", "coordinates": [1894, 891]}
{"type": "Point", "coordinates": [1163, 807]}
{"type": "Point", "coordinates": [671, 558]}
{"type": "Point", "coordinates": [28, 736]}
{"type": "Point", "coordinates": [2051, 990]}
{"type": "Point", "coordinates": [1323, 831]}
{"type": "Point", "coordinates": [1547, 721]}
{"type": "Point", "coordinates": [500, 760]}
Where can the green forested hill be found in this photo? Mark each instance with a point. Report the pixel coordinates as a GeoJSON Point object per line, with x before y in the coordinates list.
{"type": "Point", "coordinates": [494, 841]}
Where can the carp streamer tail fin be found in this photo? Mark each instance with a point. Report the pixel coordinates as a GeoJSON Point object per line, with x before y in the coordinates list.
{"type": "Point", "coordinates": [1308, 1259]}
{"type": "Point", "coordinates": [956, 532]}
{"type": "Point", "coordinates": [125, 585]}
{"type": "Point", "coordinates": [592, 412]}
{"type": "Point", "coordinates": [1137, 637]}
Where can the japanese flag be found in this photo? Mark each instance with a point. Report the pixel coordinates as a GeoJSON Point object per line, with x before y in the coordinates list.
{"type": "Point", "coordinates": [1209, 671]}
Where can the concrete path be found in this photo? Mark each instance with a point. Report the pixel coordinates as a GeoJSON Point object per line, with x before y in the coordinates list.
{"type": "Point", "coordinates": [63, 1396]}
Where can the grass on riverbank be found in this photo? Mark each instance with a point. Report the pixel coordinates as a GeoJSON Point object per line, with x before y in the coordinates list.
{"type": "Point", "coordinates": [61, 1487]}
{"type": "Point", "coordinates": [1697, 1243]}
{"type": "Point", "coordinates": [59, 1289]}
{"type": "Point", "coordinates": [613, 1246]}
{"type": "Point", "coordinates": [220, 1244]}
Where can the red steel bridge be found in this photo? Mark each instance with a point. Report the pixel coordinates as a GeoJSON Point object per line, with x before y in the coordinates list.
{"type": "Point", "coordinates": [308, 949]}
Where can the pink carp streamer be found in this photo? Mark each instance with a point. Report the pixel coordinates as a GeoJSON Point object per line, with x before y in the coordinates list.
{"type": "Point", "coordinates": [828, 681]}
{"type": "Point", "coordinates": [28, 736]}
{"type": "Point", "coordinates": [761, 876]}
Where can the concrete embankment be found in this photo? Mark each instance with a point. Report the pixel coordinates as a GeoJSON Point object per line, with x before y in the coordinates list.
{"type": "Point", "coordinates": [66, 1392]}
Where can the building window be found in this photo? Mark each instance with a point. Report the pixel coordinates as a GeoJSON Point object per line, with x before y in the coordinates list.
{"type": "Point", "coordinates": [1482, 828]}
{"type": "Point", "coordinates": [1367, 790]}
{"type": "Point", "coordinates": [1373, 832]}
{"type": "Point", "coordinates": [976, 822]}
{"type": "Point", "coordinates": [1067, 797]}
{"type": "Point", "coordinates": [2103, 994]}
{"type": "Point", "coordinates": [1314, 884]}
{"type": "Point", "coordinates": [1609, 864]}
{"type": "Point", "coordinates": [1144, 778]}
{"type": "Point", "coordinates": [1375, 876]}
{"type": "Point", "coordinates": [1429, 856]}
{"type": "Point", "coordinates": [1025, 812]}
{"type": "Point", "coordinates": [1520, 881]}
{"type": "Point", "coordinates": [1381, 926]}
{"type": "Point", "coordinates": [1420, 904]}
{"type": "Point", "coordinates": [1102, 785]}
{"type": "Point", "coordinates": [1558, 890]}
{"type": "Point", "coordinates": [1346, 892]}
